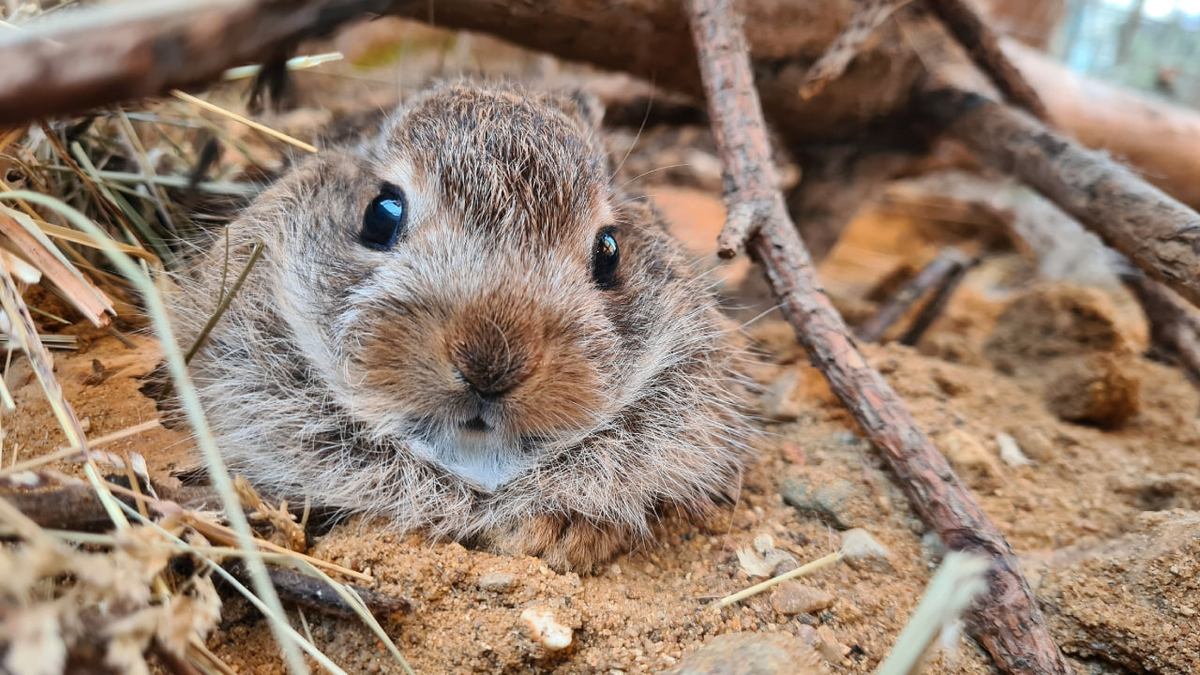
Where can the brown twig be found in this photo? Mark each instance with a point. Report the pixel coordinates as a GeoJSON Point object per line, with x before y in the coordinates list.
{"type": "Point", "coordinates": [868, 16]}
{"type": "Point", "coordinates": [965, 24]}
{"type": "Point", "coordinates": [1007, 621]}
{"type": "Point", "coordinates": [71, 507]}
{"type": "Point", "coordinates": [1160, 235]}
{"type": "Point", "coordinates": [912, 290]}
{"type": "Point", "coordinates": [1174, 327]}
{"type": "Point", "coordinates": [941, 297]}
{"type": "Point", "coordinates": [314, 593]}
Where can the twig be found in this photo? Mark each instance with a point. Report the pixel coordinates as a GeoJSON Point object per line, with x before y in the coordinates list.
{"type": "Point", "coordinates": [1007, 621]}
{"type": "Point", "coordinates": [933, 309]}
{"type": "Point", "coordinates": [932, 275]}
{"type": "Point", "coordinates": [307, 591]}
{"type": "Point", "coordinates": [1159, 234]}
{"type": "Point", "coordinates": [92, 443]}
{"type": "Point", "coordinates": [1174, 327]}
{"type": "Point", "coordinates": [868, 16]}
{"type": "Point", "coordinates": [71, 507]}
{"type": "Point", "coordinates": [965, 24]}
{"type": "Point", "coordinates": [803, 570]}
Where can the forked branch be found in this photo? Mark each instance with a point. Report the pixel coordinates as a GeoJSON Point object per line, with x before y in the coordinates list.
{"type": "Point", "coordinates": [1006, 621]}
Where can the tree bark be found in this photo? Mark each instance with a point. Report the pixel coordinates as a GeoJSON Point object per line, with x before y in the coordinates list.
{"type": "Point", "coordinates": [1159, 234]}
{"type": "Point", "coordinates": [107, 54]}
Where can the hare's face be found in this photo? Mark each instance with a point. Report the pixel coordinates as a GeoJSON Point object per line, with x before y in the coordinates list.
{"type": "Point", "coordinates": [485, 297]}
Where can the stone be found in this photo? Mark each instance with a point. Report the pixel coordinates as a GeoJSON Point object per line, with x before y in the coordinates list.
{"type": "Point", "coordinates": [496, 582]}
{"type": "Point", "coordinates": [752, 654]}
{"type": "Point", "coordinates": [781, 400]}
{"type": "Point", "coordinates": [967, 454]}
{"type": "Point", "coordinates": [546, 630]}
{"type": "Point", "coordinates": [1099, 389]}
{"type": "Point", "coordinates": [861, 551]}
{"type": "Point", "coordinates": [832, 650]}
{"type": "Point", "coordinates": [793, 597]}
{"type": "Point", "coordinates": [1010, 451]}
{"type": "Point", "coordinates": [822, 494]}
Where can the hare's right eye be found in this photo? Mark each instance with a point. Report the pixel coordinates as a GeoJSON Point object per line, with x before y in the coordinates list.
{"type": "Point", "coordinates": [385, 219]}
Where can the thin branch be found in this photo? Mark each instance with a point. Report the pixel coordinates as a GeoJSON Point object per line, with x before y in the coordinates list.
{"type": "Point", "coordinates": [868, 16]}
{"type": "Point", "coordinates": [1174, 327]}
{"type": "Point", "coordinates": [1006, 621]}
{"type": "Point", "coordinates": [912, 290]}
{"type": "Point", "coordinates": [941, 297]}
{"type": "Point", "coordinates": [965, 24]}
{"type": "Point", "coordinates": [1157, 233]}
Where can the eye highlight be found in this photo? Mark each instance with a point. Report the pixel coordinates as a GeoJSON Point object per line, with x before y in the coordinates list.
{"type": "Point", "coordinates": [385, 219]}
{"type": "Point", "coordinates": [605, 258]}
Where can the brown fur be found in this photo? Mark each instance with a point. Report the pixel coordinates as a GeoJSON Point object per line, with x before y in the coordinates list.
{"type": "Point", "coordinates": [341, 372]}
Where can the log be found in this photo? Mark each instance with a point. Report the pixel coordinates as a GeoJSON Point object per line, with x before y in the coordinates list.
{"type": "Point", "coordinates": [1159, 234]}
{"type": "Point", "coordinates": [1006, 620]}
{"type": "Point", "coordinates": [107, 54]}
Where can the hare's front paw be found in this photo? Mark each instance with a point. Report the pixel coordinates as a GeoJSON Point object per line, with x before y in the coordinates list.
{"type": "Point", "coordinates": [565, 543]}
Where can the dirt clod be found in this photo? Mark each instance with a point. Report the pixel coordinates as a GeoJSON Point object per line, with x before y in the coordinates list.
{"type": "Point", "coordinates": [1053, 321]}
{"type": "Point", "coordinates": [1095, 389]}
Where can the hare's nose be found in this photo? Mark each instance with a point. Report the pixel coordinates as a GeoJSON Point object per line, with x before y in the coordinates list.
{"type": "Point", "coordinates": [490, 372]}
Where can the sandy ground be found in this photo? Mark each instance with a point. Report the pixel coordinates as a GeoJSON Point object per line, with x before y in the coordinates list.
{"type": "Point", "coordinates": [1103, 514]}
{"type": "Point", "coordinates": [1080, 514]}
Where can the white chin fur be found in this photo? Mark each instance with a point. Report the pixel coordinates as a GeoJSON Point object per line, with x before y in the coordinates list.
{"type": "Point", "coordinates": [486, 460]}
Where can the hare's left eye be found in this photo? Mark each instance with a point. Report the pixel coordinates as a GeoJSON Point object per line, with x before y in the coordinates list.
{"type": "Point", "coordinates": [605, 258]}
{"type": "Point", "coordinates": [385, 219]}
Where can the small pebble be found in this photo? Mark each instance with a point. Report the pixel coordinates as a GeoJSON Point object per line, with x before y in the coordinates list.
{"type": "Point", "coordinates": [1010, 451]}
{"type": "Point", "coordinates": [781, 400]}
{"type": "Point", "coordinates": [545, 628]}
{"type": "Point", "coordinates": [497, 582]}
{"type": "Point", "coordinates": [861, 551]}
{"type": "Point", "coordinates": [793, 597]}
{"type": "Point", "coordinates": [751, 654]}
{"type": "Point", "coordinates": [822, 494]}
{"type": "Point", "coordinates": [831, 649]}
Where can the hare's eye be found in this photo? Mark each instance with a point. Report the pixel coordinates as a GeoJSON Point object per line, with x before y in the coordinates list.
{"type": "Point", "coordinates": [605, 258]}
{"type": "Point", "coordinates": [385, 219]}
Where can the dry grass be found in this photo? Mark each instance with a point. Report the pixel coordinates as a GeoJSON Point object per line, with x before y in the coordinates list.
{"type": "Point", "coordinates": [95, 211]}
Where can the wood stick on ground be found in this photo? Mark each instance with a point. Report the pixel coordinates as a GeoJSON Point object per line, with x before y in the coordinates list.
{"type": "Point", "coordinates": [1174, 327]}
{"type": "Point", "coordinates": [1006, 621]}
{"type": "Point", "coordinates": [314, 593]}
{"type": "Point", "coordinates": [970, 30]}
{"type": "Point", "coordinates": [909, 292]}
{"type": "Point", "coordinates": [1159, 234]}
{"type": "Point", "coordinates": [937, 304]}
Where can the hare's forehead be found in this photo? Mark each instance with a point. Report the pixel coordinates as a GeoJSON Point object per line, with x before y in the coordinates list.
{"type": "Point", "coordinates": [531, 169]}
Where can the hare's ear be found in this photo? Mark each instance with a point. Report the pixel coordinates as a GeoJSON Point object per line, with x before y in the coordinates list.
{"type": "Point", "coordinates": [580, 104]}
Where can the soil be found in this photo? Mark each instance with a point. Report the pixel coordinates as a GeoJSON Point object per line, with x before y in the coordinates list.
{"type": "Point", "coordinates": [1102, 513]}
